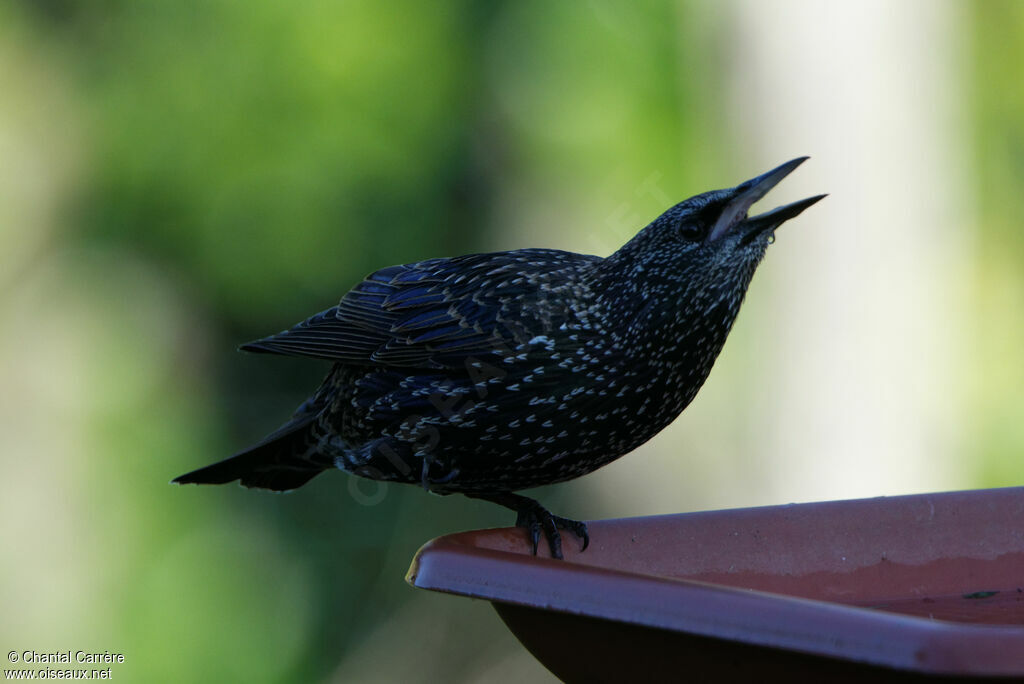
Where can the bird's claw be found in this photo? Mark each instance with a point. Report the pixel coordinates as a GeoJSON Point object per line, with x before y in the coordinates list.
{"type": "Point", "coordinates": [576, 527]}
{"type": "Point", "coordinates": [535, 518]}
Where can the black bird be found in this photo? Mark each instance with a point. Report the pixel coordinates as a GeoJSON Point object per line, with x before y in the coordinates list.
{"type": "Point", "coordinates": [486, 374]}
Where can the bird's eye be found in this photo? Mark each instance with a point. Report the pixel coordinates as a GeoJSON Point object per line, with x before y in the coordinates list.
{"type": "Point", "coordinates": [693, 231]}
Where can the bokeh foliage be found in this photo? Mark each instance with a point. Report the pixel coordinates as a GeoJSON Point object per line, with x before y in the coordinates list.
{"type": "Point", "coordinates": [180, 176]}
{"type": "Point", "coordinates": [217, 171]}
{"type": "Point", "coordinates": [996, 374]}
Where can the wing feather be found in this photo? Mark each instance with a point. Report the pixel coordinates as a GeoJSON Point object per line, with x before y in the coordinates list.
{"type": "Point", "coordinates": [437, 313]}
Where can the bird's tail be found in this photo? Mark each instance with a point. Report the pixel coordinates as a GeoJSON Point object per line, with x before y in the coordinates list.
{"type": "Point", "coordinates": [280, 462]}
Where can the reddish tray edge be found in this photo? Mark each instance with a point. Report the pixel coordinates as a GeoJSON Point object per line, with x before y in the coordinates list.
{"type": "Point", "coordinates": [461, 564]}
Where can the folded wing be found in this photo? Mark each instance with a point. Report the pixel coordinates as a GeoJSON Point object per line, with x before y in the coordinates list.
{"type": "Point", "coordinates": [437, 313]}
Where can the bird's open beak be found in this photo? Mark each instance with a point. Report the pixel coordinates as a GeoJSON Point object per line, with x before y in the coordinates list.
{"type": "Point", "coordinates": [745, 194]}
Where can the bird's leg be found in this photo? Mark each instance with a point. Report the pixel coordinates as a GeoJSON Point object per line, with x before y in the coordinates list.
{"type": "Point", "coordinates": [427, 481]}
{"type": "Point", "coordinates": [533, 517]}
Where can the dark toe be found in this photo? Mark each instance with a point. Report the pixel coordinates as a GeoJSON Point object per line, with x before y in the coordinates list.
{"type": "Point", "coordinates": [554, 538]}
{"type": "Point", "coordinates": [576, 527]}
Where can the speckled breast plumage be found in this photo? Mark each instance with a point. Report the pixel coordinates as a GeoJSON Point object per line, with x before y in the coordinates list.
{"type": "Point", "coordinates": [494, 372]}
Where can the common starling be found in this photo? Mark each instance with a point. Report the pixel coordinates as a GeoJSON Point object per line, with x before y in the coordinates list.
{"type": "Point", "coordinates": [487, 374]}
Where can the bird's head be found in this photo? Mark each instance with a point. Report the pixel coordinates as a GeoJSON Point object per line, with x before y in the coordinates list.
{"type": "Point", "coordinates": [684, 276]}
{"type": "Point", "coordinates": [708, 242]}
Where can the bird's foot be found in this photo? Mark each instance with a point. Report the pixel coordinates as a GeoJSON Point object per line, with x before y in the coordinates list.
{"type": "Point", "coordinates": [534, 518]}
{"type": "Point", "coordinates": [537, 518]}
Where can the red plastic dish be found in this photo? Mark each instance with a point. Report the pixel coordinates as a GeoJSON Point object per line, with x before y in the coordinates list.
{"type": "Point", "coordinates": [898, 588]}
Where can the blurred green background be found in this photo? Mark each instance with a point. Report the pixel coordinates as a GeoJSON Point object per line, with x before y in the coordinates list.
{"type": "Point", "coordinates": [177, 177]}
